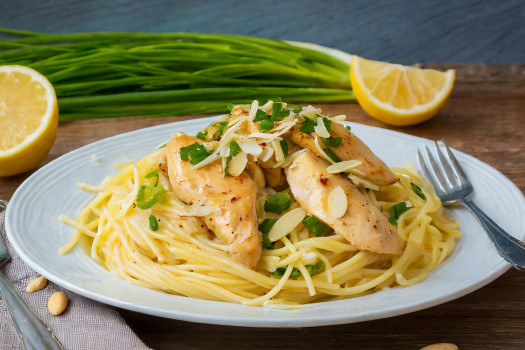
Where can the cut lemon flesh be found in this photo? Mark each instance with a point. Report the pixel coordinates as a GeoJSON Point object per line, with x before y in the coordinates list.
{"type": "Point", "coordinates": [399, 95]}
{"type": "Point", "coordinates": [28, 119]}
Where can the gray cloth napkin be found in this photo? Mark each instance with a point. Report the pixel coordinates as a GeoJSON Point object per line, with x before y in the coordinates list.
{"type": "Point", "coordinates": [85, 324]}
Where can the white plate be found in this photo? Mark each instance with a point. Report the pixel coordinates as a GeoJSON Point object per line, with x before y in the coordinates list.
{"type": "Point", "coordinates": [36, 234]}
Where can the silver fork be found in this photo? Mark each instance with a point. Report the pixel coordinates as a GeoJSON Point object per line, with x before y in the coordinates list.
{"type": "Point", "coordinates": [452, 184]}
{"type": "Point", "coordinates": [34, 333]}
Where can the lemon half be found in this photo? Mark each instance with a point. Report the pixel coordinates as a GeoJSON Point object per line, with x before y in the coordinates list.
{"type": "Point", "coordinates": [399, 95]}
{"type": "Point", "coordinates": [28, 119]}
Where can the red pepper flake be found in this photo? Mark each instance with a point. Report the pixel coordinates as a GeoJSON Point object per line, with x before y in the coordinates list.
{"type": "Point", "coordinates": [323, 180]}
{"type": "Point", "coordinates": [234, 199]}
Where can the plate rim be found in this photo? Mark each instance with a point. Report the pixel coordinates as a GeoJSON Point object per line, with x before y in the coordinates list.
{"type": "Point", "coordinates": [246, 321]}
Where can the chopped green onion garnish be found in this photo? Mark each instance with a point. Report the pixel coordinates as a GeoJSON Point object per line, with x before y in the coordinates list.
{"type": "Point", "coordinates": [198, 156]}
{"type": "Point", "coordinates": [418, 191]}
{"type": "Point", "coordinates": [396, 211]}
{"type": "Point", "coordinates": [201, 135]}
{"type": "Point", "coordinates": [315, 269]}
{"type": "Point", "coordinates": [235, 149]}
{"type": "Point", "coordinates": [279, 272]}
{"type": "Point", "coordinates": [195, 153]}
{"type": "Point", "coordinates": [153, 174]}
{"type": "Point", "coordinates": [284, 147]}
{"type": "Point", "coordinates": [276, 110]}
{"type": "Point", "coordinates": [266, 125]}
{"type": "Point", "coordinates": [218, 133]}
{"type": "Point", "coordinates": [311, 269]}
{"type": "Point", "coordinates": [283, 114]}
{"type": "Point", "coordinates": [278, 203]}
{"type": "Point", "coordinates": [348, 127]}
{"type": "Point", "coordinates": [148, 196]}
{"type": "Point", "coordinates": [266, 243]}
{"type": "Point", "coordinates": [332, 155]}
{"type": "Point", "coordinates": [332, 141]}
{"type": "Point", "coordinates": [314, 225]}
{"type": "Point", "coordinates": [267, 225]}
{"type": "Point", "coordinates": [308, 126]}
{"type": "Point", "coordinates": [153, 223]}
{"type": "Point", "coordinates": [230, 106]}
{"type": "Point", "coordinates": [260, 115]}
{"type": "Point", "coordinates": [295, 273]}
{"type": "Point", "coordinates": [185, 151]}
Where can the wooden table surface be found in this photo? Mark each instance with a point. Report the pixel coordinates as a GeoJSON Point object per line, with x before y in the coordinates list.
{"type": "Point", "coordinates": [485, 117]}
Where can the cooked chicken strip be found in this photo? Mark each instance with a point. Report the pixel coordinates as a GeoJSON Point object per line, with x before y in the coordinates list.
{"type": "Point", "coordinates": [352, 147]}
{"type": "Point", "coordinates": [236, 223]}
{"type": "Point", "coordinates": [362, 225]}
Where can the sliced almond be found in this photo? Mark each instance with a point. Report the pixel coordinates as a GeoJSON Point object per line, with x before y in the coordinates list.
{"type": "Point", "coordinates": [321, 152]}
{"type": "Point", "coordinates": [237, 164]}
{"type": "Point", "coordinates": [343, 166]}
{"type": "Point", "coordinates": [266, 154]}
{"type": "Point", "coordinates": [250, 147]}
{"type": "Point", "coordinates": [36, 284]}
{"type": "Point", "coordinates": [286, 223]}
{"type": "Point", "coordinates": [337, 202]}
{"type": "Point", "coordinates": [365, 183]}
{"type": "Point", "coordinates": [253, 110]}
{"type": "Point", "coordinates": [321, 129]}
{"type": "Point", "coordinates": [278, 151]}
{"type": "Point", "coordinates": [57, 303]}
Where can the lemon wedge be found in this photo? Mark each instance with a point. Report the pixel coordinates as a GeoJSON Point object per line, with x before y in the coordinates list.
{"type": "Point", "coordinates": [28, 119]}
{"type": "Point", "coordinates": [399, 95]}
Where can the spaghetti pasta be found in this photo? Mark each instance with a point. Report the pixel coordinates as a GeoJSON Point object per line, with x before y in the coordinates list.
{"type": "Point", "coordinates": [183, 257]}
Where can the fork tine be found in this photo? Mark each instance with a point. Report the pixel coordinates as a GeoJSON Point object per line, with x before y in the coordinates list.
{"type": "Point", "coordinates": [448, 173]}
{"type": "Point", "coordinates": [463, 179]}
{"type": "Point", "coordinates": [427, 173]}
{"type": "Point", "coordinates": [438, 176]}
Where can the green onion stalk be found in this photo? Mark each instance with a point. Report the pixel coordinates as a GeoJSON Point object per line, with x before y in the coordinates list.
{"type": "Point", "coordinates": [113, 74]}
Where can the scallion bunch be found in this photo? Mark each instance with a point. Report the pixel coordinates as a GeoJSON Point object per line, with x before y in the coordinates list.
{"type": "Point", "coordinates": [112, 74]}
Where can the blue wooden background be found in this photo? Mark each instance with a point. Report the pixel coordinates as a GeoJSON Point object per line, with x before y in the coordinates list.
{"type": "Point", "coordinates": [397, 31]}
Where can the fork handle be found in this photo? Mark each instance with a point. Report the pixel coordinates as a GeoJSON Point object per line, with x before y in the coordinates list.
{"type": "Point", "coordinates": [510, 248]}
{"type": "Point", "coordinates": [34, 333]}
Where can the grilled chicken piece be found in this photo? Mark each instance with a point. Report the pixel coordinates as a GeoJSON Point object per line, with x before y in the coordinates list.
{"type": "Point", "coordinates": [352, 147]}
{"type": "Point", "coordinates": [362, 225]}
{"type": "Point", "coordinates": [236, 222]}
